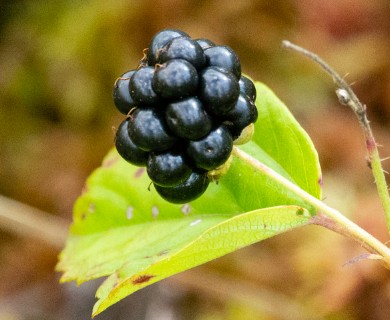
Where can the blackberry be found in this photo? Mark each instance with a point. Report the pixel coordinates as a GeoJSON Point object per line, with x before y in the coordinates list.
{"type": "Point", "coordinates": [218, 89]}
{"type": "Point", "coordinates": [241, 115]}
{"type": "Point", "coordinates": [175, 79]}
{"type": "Point", "coordinates": [189, 190]}
{"type": "Point", "coordinates": [247, 87]}
{"type": "Point", "coordinates": [148, 130]}
{"type": "Point", "coordinates": [168, 169]}
{"type": "Point", "coordinates": [213, 150]}
{"type": "Point", "coordinates": [205, 43]}
{"type": "Point", "coordinates": [127, 148]}
{"type": "Point", "coordinates": [141, 86]}
{"type": "Point", "coordinates": [183, 48]}
{"type": "Point", "coordinates": [121, 94]}
{"type": "Point", "coordinates": [188, 119]}
{"type": "Point", "coordinates": [186, 103]}
{"type": "Point", "coordinates": [223, 57]}
{"type": "Point", "coordinates": [160, 40]}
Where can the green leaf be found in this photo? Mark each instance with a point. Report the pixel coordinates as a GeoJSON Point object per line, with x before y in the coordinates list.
{"type": "Point", "coordinates": [125, 231]}
{"type": "Point", "coordinates": [279, 134]}
{"type": "Point", "coordinates": [200, 239]}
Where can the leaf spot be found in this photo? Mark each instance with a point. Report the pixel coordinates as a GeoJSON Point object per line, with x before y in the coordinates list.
{"type": "Point", "coordinates": [163, 253]}
{"type": "Point", "coordinates": [116, 277]}
{"type": "Point", "coordinates": [139, 172]}
{"type": "Point", "coordinates": [109, 162]}
{"type": "Point", "coordinates": [142, 279]}
{"type": "Point", "coordinates": [320, 182]}
{"type": "Point", "coordinates": [186, 209]}
{"type": "Point", "coordinates": [155, 211]}
{"type": "Point", "coordinates": [194, 223]}
{"type": "Point", "coordinates": [129, 213]}
{"type": "Point", "coordinates": [91, 208]}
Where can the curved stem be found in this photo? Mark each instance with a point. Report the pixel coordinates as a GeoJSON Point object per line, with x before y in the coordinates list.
{"type": "Point", "coordinates": [347, 97]}
{"type": "Point", "coordinates": [327, 217]}
{"type": "Point", "coordinates": [24, 220]}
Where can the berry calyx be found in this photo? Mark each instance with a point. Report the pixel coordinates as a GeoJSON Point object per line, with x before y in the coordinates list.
{"type": "Point", "coordinates": [217, 173]}
{"type": "Point", "coordinates": [246, 135]}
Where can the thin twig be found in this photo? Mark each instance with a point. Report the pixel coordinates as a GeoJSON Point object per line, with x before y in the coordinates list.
{"type": "Point", "coordinates": [27, 221]}
{"type": "Point", "coordinates": [347, 97]}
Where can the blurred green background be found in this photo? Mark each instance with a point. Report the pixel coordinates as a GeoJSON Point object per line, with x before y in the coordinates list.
{"type": "Point", "coordinates": [58, 63]}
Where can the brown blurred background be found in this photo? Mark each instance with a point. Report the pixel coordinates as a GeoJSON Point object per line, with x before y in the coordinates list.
{"type": "Point", "coordinates": [58, 62]}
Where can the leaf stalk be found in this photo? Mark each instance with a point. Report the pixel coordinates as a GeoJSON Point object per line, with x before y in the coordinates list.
{"type": "Point", "coordinates": [326, 216]}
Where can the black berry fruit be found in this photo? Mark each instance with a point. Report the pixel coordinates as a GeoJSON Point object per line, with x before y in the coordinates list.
{"type": "Point", "coordinates": [187, 191]}
{"type": "Point", "coordinates": [213, 150]}
{"type": "Point", "coordinates": [160, 40]}
{"type": "Point", "coordinates": [247, 87]}
{"type": "Point", "coordinates": [141, 86]}
{"type": "Point", "coordinates": [183, 48]}
{"type": "Point", "coordinates": [241, 115]}
{"type": "Point", "coordinates": [185, 104]}
{"type": "Point", "coordinates": [205, 43]}
{"type": "Point", "coordinates": [223, 57]}
{"type": "Point", "coordinates": [175, 79]}
{"type": "Point", "coordinates": [121, 94]}
{"type": "Point", "coordinates": [126, 147]}
{"type": "Point", "coordinates": [218, 89]}
{"type": "Point", "coordinates": [188, 119]}
{"type": "Point", "coordinates": [148, 130]}
{"type": "Point", "coordinates": [168, 169]}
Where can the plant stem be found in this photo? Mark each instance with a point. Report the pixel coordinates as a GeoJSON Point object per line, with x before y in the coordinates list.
{"type": "Point", "coordinates": [347, 97]}
{"type": "Point", "coordinates": [327, 216]}
{"type": "Point", "coordinates": [24, 220]}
